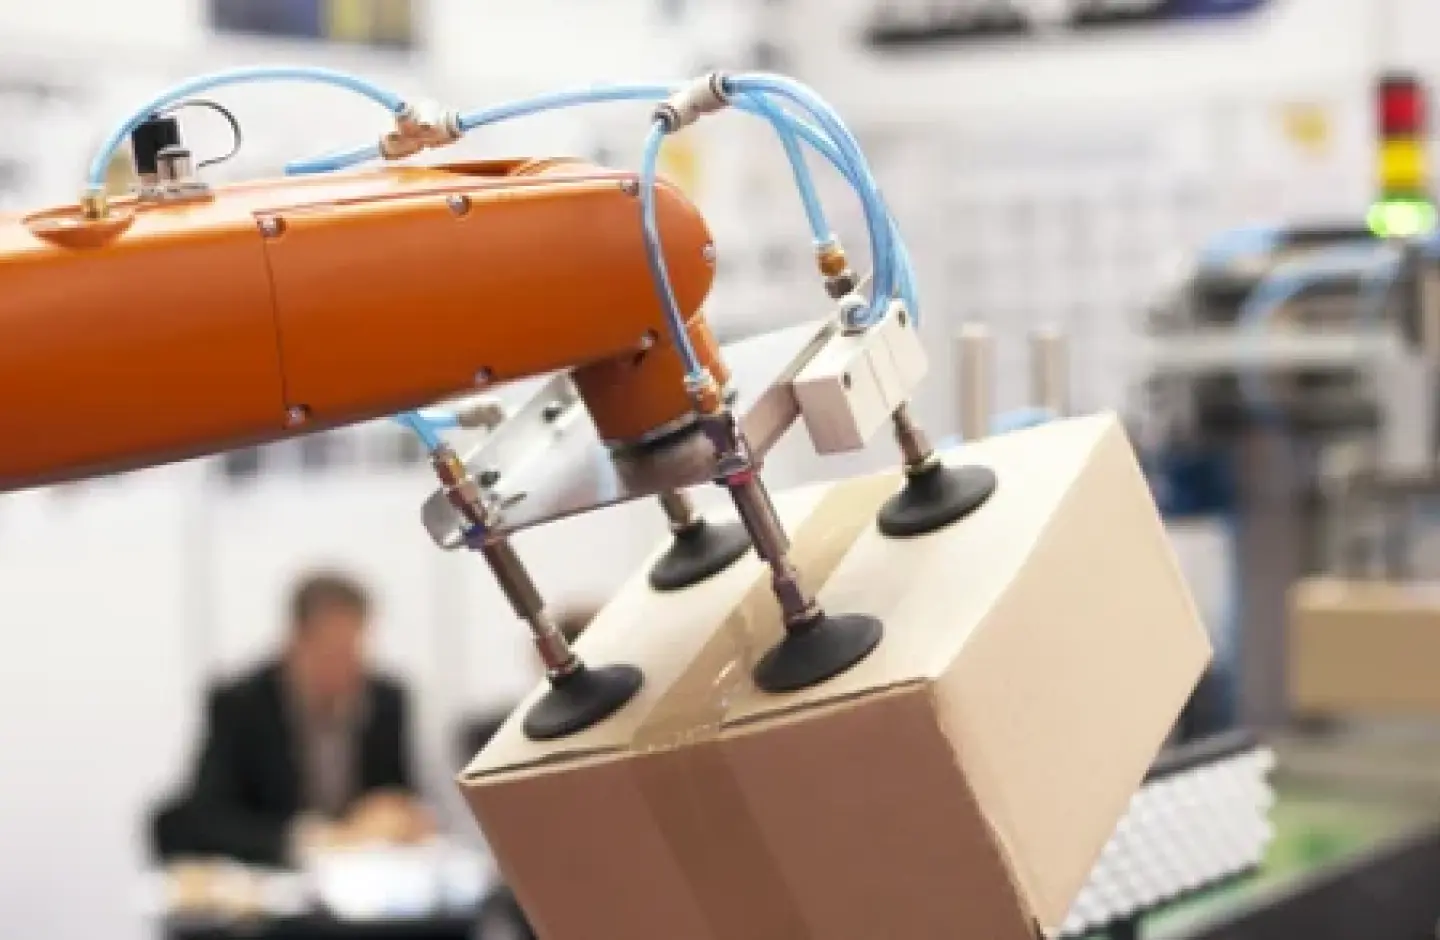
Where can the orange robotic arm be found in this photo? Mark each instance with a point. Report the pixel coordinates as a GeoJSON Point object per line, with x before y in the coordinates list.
{"type": "Point", "coordinates": [174, 329]}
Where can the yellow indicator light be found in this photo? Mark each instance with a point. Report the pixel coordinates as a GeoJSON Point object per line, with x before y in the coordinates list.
{"type": "Point", "coordinates": [1403, 165]}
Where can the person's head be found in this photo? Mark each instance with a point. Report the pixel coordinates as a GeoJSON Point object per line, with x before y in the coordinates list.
{"type": "Point", "coordinates": [328, 616]}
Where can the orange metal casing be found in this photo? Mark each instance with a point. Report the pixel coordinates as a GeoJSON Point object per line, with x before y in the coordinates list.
{"type": "Point", "coordinates": [175, 330]}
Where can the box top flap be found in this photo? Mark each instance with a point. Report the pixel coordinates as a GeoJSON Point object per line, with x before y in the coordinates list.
{"type": "Point", "coordinates": [697, 673]}
{"type": "Point", "coordinates": [1035, 469]}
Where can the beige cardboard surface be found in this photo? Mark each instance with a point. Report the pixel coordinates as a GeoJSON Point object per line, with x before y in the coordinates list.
{"type": "Point", "coordinates": [1364, 647]}
{"type": "Point", "coordinates": [959, 782]}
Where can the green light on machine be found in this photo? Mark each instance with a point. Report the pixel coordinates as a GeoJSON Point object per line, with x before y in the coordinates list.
{"type": "Point", "coordinates": [1402, 218]}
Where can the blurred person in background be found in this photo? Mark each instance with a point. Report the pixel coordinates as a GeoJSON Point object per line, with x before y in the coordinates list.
{"type": "Point", "coordinates": [307, 753]}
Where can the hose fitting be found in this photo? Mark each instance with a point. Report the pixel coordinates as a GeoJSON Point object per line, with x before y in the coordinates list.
{"type": "Point", "coordinates": [420, 126]}
{"type": "Point", "coordinates": [699, 97]}
{"type": "Point", "coordinates": [852, 314]}
{"type": "Point", "coordinates": [835, 269]}
{"type": "Point", "coordinates": [705, 393]}
{"type": "Point", "coordinates": [94, 204]}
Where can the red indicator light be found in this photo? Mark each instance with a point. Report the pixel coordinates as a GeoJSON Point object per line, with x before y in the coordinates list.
{"type": "Point", "coordinates": [1402, 108]}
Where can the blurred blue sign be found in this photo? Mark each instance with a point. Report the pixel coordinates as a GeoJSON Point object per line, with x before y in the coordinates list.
{"type": "Point", "coordinates": [379, 23]}
{"type": "Point", "coordinates": [908, 23]}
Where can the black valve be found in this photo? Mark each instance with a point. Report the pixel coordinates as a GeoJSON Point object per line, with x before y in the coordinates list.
{"type": "Point", "coordinates": [153, 135]}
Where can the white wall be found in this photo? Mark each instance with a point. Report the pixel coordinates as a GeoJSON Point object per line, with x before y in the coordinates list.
{"type": "Point", "coordinates": [115, 608]}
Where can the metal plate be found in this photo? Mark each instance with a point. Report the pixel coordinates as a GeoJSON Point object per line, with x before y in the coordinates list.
{"type": "Point", "coordinates": [548, 462]}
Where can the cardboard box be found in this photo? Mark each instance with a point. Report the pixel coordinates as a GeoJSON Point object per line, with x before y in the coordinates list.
{"type": "Point", "coordinates": [960, 782]}
{"type": "Point", "coordinates": [1364, 647]}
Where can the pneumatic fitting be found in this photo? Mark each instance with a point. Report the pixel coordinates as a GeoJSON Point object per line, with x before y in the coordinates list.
{"type": "Point", "coordinates": [420, 126]}
{"type": "Point", "coordinates": [697, 98]}
{"type": "Point", "coordinates": [840, 279]}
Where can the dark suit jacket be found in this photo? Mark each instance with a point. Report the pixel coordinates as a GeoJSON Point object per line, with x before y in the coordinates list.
{"type": "Point", "coordinates": [247, 788]}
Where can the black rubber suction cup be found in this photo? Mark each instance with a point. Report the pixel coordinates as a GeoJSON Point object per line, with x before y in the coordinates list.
{"type": "Point", "coordinates": [934, 498]}
{"type": "Point", "coordinates": [699, 551]}
{"type": "Point", "coordinates": [808, 656]}
{"type": "Point", "coordinates": [584, 698]}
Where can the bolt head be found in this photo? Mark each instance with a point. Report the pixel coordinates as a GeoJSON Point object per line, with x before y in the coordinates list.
{"type": "Point", "coordinates": [483, 375]}
{"type": "Point", "coordinates": [458, 203]}
{"type": "Point", "coordinates": [630, 187]}
{"type": "Point", "coordinates": [271, 226]}
{"type": "Point", "coordinates": [297, 414]}
{"type": "Point", "coordinates": [708, 253]}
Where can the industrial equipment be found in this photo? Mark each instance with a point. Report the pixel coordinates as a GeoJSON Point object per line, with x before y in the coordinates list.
{"type": "Point", "coordinates": [264, 310]}
{"type": "Point", "coordinates": [186, 319]}
{"type": "Point", "coordinates": [1301, 362]}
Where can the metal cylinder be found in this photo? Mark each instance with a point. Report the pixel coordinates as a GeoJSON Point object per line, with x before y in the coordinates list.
{"type": "Point", "coordinates": [975, 353]}
{"type": "Point", "coordinates": [914, 444]}
{"type": "Point", "coordinates": [1427, 297]}
{"type": "Point", "coordinates": [767, 534]}
{"type": "Point", "coordinates": [679, 509]}
{"type": "Point", "coordinates": [1050, 371]}
{"type": "Point", "coordinates": [524, 597]}
{"type": "Point", "coordinates": [174, 165]}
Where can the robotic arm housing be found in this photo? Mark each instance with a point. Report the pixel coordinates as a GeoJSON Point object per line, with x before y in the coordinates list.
{"type": "Point", "coordinates": [182, 327]}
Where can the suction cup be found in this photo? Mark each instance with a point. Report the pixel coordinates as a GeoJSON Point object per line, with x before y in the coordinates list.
{"type": "Point", "coordinates": [824, 649]}
{"type": "Point", "coordinates": [580, 700]}
{"type": "Point", "coordinates": [934, 498]}
{"type": "Point", "coordinates": [698, 552]}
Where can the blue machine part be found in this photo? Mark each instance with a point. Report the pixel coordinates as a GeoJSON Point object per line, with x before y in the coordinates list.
{"type": "Point", "coordinates": [1197, 491]}
{"type": "Point", "coordinates": [1192, 482]}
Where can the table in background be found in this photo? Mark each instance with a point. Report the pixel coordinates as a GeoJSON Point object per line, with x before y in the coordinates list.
{"type": "Point", "coordinates": [319, 927]}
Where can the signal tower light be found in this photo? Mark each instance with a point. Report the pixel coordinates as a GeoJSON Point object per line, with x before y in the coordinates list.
{"type": "Point", "coordinates": [1405, 208]}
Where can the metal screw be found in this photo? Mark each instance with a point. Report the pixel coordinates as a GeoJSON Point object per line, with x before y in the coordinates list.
{"type": "Point", "coordinates": [271, 226]}
{"type": "Point", "coordinates": [630, 187]}
{"type": "Point", "coordinates": [483, 375]}
{"type": "Point", "coordinates": [488, 477]}
{"type": "Point", "coordinates": [458, 203]}
{"type": "Point", "coordinates": [552, 412]}
{"type": "Point", "coordinates": [708, 253]}
{"type": "Point", "coordinates": [297, 414]}
{"type": "Point", "coordinates": [648, 340]}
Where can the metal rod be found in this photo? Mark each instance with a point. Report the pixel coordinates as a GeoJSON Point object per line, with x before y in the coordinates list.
{"type": "Point", "coordinates": [757, 512]}
{"type": "Point", "coordinates": [509, 571]}
{"type": "Point", "coordinates": [975, 353]}
{"type": "Point", "coordinates": [524, 597]}
{"type": "Point", "coordinates": [1050, 371]}
{"type": "Point", "coordinates": [914, 443]}
{"type": "Point", "coordinates": [679, 509]}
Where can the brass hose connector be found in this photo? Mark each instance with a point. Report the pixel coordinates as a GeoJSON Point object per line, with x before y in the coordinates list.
{"type": "Point", "coordinates": [834, 267]}
{"type": "Point", "coordinates": [420, 126]}
{"type": "Point", "coordinates": [94, 204]}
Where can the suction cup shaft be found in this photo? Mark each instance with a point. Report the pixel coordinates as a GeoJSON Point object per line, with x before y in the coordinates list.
{"type": "Point", "coordinates": [817, 646]}
{"type": "Point", "coordinates": [579, 697]}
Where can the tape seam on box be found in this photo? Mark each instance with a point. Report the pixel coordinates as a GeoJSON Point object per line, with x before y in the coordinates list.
{"type": "Point", "coordinates": [691, 791]}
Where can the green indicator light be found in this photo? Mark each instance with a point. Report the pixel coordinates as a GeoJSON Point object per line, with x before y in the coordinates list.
{"type": "Point", "coordinates": [1402, 218]}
